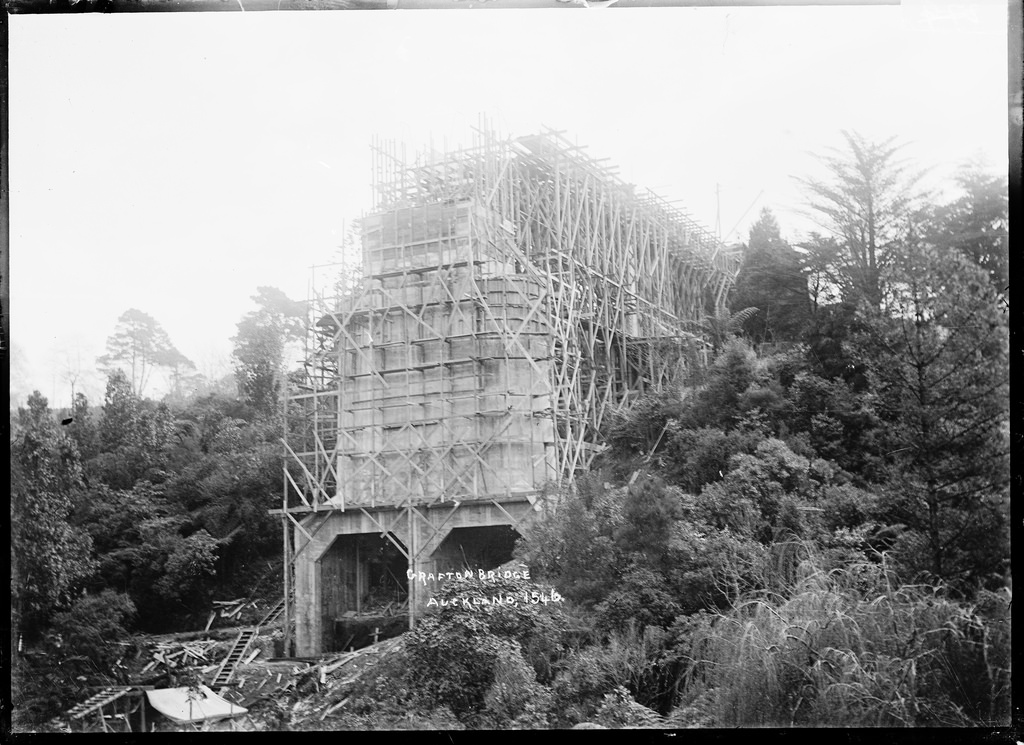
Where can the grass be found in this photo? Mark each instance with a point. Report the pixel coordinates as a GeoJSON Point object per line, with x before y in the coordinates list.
{"type": "Point", "coordinates": [849, 647]}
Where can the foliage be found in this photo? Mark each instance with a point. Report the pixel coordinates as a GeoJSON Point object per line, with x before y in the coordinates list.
{"type": "Point", "coordinates": [259, 347]}
{"type": "Point", "coordinates": [50, 557]}
{"type": "Point", "coordinates": [457, 654]}
{"type": "Point", "coordinates": [635, 430]}
{"type": "Point", "coordinates": [760, 493]}
{"type": "Point", "coordinates": [977, 223]}
{"type": "Point", "coordinates": [695, 457]}
{"type": "Point", "coordinates": [83, 428]}
{"type": "Point", "coordinates": [91, 631]}
{"type": "Point", "coordinates": [841, 424]}
{"type": "Point", "coordinates": [573, 547]}
{"type": "Point", "coordinates": [648, 513]}
{"type": "Point", "coordinates": [772, 279]}
{"type": "Point", "coordinates": [133, 434]}
{"type": "Point", "coordinates": [515, 700]}
{"type": "Point", "coordinates": [865, 202]}
{"type": "Point", "coordinates": [188, 564]}
{"type": "Point", "coordinates": [618, 709]}
{"type": "Point", "coordinates": [139, 344]}
{"type": "Point", "coordinates": [382, 699]}
{"type": "Point", "coordinates": [717, 404]}
{"type": "Point", "coordinates": [640, 599]}
{"type": "Point", "coordinates": [851, 648]}
{"type": "Point", "coordinates": [937, 354]}
{"type": "Point", "coordinates": [710, 566]}
{"type": "Point", "coordinates": [637, 661]}
{"type": "Point", "coordinates": [724, 325]}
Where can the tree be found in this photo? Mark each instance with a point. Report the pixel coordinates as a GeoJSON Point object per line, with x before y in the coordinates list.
{"type": "Point", "coordinates": [866, 204]}
{"type": "Point", "coordinates": [649, 512]}
{"type": "Point", "coordinates": [133, 434]}
{"type": "Point", "coordinates": [183, 377]}
{"type": "Point", "coordinates": [937, 356]}
{"type": "Point", "coordinates": [260, 343]}
{"type": "Point", "coordinates": [771, 278]}
{"type": "Point", "coordinates": [91, 631]}
{"type": "Point", "coordinates": [139, 344]}
{"type": "Point", "coordinates": [121, 412]}
{"type": "Point", "coordinates": [977, 223]}
{"type": "Point", "coordinates": [83, 429]}
{"type": "Point", "coordinates": [49, 557]}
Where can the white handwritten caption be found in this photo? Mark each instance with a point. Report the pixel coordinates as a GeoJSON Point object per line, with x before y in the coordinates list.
{"type": "Point", "coordinates": [527, 598]}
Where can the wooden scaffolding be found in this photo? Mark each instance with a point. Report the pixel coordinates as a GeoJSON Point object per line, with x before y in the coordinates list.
{"type": "Point", "coordinates": [513, 296]}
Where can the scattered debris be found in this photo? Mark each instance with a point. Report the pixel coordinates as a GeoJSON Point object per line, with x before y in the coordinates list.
{"type": "Point", "coordinates": [229, 609]}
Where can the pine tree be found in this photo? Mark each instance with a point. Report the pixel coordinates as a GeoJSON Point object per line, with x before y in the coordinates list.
{"type": "Point", "coordinates": [865, 204]}
{"type": "Point", "coordinates": [772, 278]}
{"type": "Point", "coordinates": [937, 355]}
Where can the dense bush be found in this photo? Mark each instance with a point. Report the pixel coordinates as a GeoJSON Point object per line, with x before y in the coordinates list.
{"type": "Point", "coordinates": [91, 631]}
{"type": "Point", "coordinates": [693, 458]}
{"type": "Point", "coordinates": [467, 654]}
{"type": "Point", "coordinates": [574, 547]}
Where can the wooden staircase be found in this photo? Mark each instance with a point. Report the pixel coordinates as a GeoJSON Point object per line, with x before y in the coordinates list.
{"type": "Point", "coordinates": [238, 650]}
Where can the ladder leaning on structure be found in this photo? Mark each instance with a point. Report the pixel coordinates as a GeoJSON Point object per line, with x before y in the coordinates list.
{"type": "Point", "coordinates": [234, 657]}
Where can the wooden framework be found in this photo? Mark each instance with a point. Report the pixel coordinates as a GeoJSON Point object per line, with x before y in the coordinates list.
{"type": "Point", "coordinates": [133, 698]}
{"type": "Point", "coordinates": [514, 295]}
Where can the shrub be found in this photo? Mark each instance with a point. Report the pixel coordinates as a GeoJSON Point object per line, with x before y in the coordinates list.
{"type": "Point", "coordinates": [515, 699]}
{"type": "Point", "coordinates": [95, 622]}
{"type": "Point", "coordinates": [761, 496]}
{"type": "Point", "coordinates": [573, 547]}
{"type": "Point", "coordinates": [696, 457]}
{"type": "Point", "coordinates": [632, 658]}
{"type": "Point", "coordinates": [640, 598]}
{"type": "Point", "coordinates": [718, 403]}
{"type": "Point", "coordinates": [709, 567]}
{"type": "Point", "coordinates": [649, 513]}
{"type": "Point", "coordinates": [455, 654]}
{"type": "Point", "coordinates": [618, 709]}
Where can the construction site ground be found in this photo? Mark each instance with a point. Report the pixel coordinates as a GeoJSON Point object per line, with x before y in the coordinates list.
{"type": "Point", "coordinates": [278, 693]}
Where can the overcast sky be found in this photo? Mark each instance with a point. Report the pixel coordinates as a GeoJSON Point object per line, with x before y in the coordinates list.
{"type": "Point", "coordinates": [174, 162]}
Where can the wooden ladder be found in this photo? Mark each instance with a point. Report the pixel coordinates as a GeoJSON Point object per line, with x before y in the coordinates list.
{"type": "Point", "coordinates": [273, 614]}
{"type": "Point", "coordinates": [238, 649]}
{"type": "Point", "coordinates": [97, 701]}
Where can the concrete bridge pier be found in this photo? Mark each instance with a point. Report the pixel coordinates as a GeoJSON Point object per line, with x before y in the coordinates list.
{"type": "Point", "coordinates": [342, 556]}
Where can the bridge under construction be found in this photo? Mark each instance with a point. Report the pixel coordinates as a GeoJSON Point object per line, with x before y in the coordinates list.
{"type": "Point", "coordinates": [514, 296]}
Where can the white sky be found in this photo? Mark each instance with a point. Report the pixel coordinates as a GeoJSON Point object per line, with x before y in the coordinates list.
{"type": "Point", "coordinates": [173, 162]}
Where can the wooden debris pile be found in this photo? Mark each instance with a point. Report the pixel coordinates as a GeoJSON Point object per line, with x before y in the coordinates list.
{"type": "Point", "coordinates": [330, 680]}
{"type": "Point", "coordinates": [254, 683]}
{"type": "Point", "coordinates": [173, 655]}
{"type": "Point", "coordinates": [229, 609]}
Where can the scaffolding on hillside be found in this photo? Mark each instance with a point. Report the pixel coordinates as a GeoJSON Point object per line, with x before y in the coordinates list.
{"type": "Point", "coordinates": [515, 295]}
